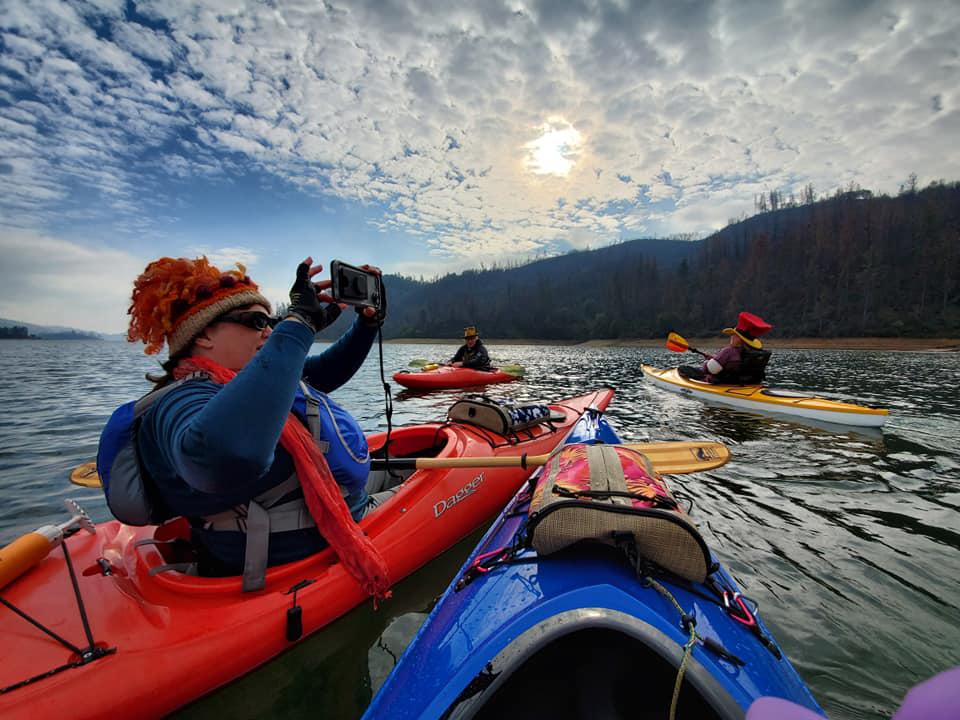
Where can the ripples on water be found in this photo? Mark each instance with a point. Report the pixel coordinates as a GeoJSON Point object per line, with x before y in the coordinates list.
{"type": "Point", "coordinates": [850, 541]}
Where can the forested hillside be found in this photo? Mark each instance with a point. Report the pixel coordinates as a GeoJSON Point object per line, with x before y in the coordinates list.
{"type": "Point", "coordinates": [852, 265]}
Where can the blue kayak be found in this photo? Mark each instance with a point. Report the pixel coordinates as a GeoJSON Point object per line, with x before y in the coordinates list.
{"type": "Point", "coordinates": [581, 633]}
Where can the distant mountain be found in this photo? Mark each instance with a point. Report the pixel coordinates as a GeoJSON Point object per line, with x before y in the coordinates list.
{"type": "Point", "coordinates": [854, 264]}
{"type": "Point", "coordinates": [51, 332]}
{"type": "Point", "coordinates": [555, 298]}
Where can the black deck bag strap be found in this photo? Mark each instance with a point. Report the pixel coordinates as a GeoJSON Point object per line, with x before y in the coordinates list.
{"type": "Point", "coordinates": [502, 418]}
{"type": "Point", "coordinates": [599, 493]}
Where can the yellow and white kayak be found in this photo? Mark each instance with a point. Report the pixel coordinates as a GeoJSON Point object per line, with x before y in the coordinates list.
{"type": "Point", "coordinates": [758, 398]}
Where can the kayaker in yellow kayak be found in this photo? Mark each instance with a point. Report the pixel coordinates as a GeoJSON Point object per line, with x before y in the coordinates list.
{"type": "Point", "coordinates": [472, 354]}
{"type": "Point", "coordinates": [239, 435]}
{"type": "Point", "coordinates": [742, 362]}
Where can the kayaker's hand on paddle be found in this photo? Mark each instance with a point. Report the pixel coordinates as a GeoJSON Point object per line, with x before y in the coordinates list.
{"type": "Point", "coordinates": [373, 317]}
{"type": "Point", "coordinates": [308, 300]}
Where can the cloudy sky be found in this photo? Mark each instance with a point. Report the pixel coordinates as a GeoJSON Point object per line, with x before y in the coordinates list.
{"type": "Point", "coordinates": [428, 136]}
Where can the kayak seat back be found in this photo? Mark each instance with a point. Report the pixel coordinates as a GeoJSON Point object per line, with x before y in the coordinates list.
{"type": "Point", "coordinates": [753, 365]}
{"type": "Point", "coordinates": [606, 494]}
{"type": "Point", "coordinates": [171, 560]}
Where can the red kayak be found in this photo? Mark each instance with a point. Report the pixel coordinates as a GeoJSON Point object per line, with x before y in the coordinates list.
{"type": "Point", "coordinates": [448, 378]}
{"type": "Point", "coordinates": [161, 639]}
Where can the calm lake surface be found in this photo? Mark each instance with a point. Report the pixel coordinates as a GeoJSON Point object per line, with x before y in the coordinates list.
{"type": "Point", "coordinates": [850, 541]}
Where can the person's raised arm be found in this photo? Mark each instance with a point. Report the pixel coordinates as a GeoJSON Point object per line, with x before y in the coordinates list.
{"type": "Point", "coordinates": [213, 438]}
{"type": "Point", "coordinates": [216, 437]}
{"type": "Point", "coordinates": [338, 363]}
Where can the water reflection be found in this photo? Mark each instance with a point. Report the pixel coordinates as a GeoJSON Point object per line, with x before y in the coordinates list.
{"type": "Point", "coordinates": [850, 540]}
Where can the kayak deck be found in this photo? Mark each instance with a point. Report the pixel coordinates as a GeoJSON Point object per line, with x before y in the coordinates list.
{"type": "Point", "coordinates": [179, 636]}
{"type": "Point", "coordinates": [759, 398]}
{"type": "Point", "coordinates": [578, 634]}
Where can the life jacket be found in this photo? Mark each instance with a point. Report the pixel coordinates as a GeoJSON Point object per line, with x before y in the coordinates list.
{"type": "Point", "coordinates": [753, 365]}
{"type": "Point", "coordinates": [134, 499]}
{"type": "Point", "coordinates": [471, 355]}
{"type": "Point", "coordinates": [750, 370]}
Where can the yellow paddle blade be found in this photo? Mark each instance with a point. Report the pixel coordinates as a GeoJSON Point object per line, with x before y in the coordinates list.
{"type": "Point", "coordinates": [513, 369]}
{"type": "Point", "coordinates": [677, 343]}
{"type": "Point", "coordinates": [670, 458]}
{"type": "Point", "coordinates": [418, 362]}
{"type": "Point", "coordinates": [85, 475]}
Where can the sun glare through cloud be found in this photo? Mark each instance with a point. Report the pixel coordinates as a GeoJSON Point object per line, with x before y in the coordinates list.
{"type": "Point", "coordinates": [556, 151]}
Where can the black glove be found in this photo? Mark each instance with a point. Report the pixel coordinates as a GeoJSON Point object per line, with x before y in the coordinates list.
{"type": "Point", "coordinates": [377, 319]}
{"type": "Point", "coordinates": [305, 304]}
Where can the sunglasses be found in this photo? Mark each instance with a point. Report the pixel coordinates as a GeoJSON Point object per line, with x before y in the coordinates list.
{"type": "Point", "coordinates": [254, 320]}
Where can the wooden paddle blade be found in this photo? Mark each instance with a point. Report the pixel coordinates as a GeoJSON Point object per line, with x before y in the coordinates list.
{"type": "Point", "coordinates": [684, 456]}
{"type": "Point", "coordinates": [85, 475]}
{"type": "Point", "coordinates": [669, 458]}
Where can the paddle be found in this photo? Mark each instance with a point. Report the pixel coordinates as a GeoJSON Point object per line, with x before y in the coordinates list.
{"type": "Point", "coordinates": [677, 343]}
{"type": "Point", "coordinates": [420, 362]}
{"type": "Point", "coordinates": [512, 369]}
{"type": "Point", "coordinates": [85, 475]}
{"type": "Point", "coordinates": [670, 458]}
{"type": "Point", "coordinates": [29, 549]}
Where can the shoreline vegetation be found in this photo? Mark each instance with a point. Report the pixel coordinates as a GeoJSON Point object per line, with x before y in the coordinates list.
{"type": "Point", "coordinates": [715, 343]}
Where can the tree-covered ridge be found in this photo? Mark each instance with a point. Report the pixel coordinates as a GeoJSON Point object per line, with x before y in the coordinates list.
{"type": "Point", "coordinates": [16, 332]}
{"type": "Point", "coordinates": [852, 265]}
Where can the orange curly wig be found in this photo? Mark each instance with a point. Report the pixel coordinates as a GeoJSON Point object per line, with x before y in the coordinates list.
{"type": "Point", "coordinates": [174, 299]}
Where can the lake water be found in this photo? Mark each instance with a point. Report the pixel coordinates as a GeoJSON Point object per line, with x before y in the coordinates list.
{"type": "Point", "coordinates": [850, 541]}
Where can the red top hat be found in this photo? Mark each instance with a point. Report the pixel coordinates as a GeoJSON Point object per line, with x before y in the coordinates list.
{"type": "Point", "coordinates": [749, 328]}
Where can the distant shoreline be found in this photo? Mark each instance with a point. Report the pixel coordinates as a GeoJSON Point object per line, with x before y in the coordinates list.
{"type": "Point", "coordinates": [856, 343]}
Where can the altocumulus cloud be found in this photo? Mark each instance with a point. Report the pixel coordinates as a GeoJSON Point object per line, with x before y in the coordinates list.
{"type": "Point", "coordinates": [429, 109]}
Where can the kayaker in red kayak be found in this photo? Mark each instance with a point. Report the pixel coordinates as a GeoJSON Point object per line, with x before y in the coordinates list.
{"type": "Point", "coordinates": [742, 362]}
{"type": "Point", "coordinates": [239, 436]}
{"type": "Point", "coordinates": [472, 354]}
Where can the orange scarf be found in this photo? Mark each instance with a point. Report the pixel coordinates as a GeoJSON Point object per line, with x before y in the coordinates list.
{"type": "Point", "coordinates": [320, 490]}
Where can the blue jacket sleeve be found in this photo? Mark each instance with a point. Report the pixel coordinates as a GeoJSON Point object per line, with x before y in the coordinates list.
{"type": "Point", "coordinates": [214, 437]}
{"type": "Point", "coordinates": [339, 362]}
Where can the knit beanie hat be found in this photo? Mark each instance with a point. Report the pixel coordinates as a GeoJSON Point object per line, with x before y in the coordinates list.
{"type": "Point", "coordinates": [174, 299]}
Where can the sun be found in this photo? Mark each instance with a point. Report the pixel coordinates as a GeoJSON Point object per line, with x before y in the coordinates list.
{"type": "Point", "coordinates": [556, 151]}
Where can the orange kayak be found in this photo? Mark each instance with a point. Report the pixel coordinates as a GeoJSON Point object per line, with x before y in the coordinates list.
{"type": "Point", "coordinates": [448, 378]}
{"type": "Point", "coordinates": [163, 638]}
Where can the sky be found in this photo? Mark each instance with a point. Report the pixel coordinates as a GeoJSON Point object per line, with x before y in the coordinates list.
{"type": "Point", "coordinates": [432, 136]}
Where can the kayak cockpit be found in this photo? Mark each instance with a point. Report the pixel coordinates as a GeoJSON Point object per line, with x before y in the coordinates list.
{"type": "Point", "coordinates": [168, 559]}
{"type": "Point", "coordinates": [592, 662]}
